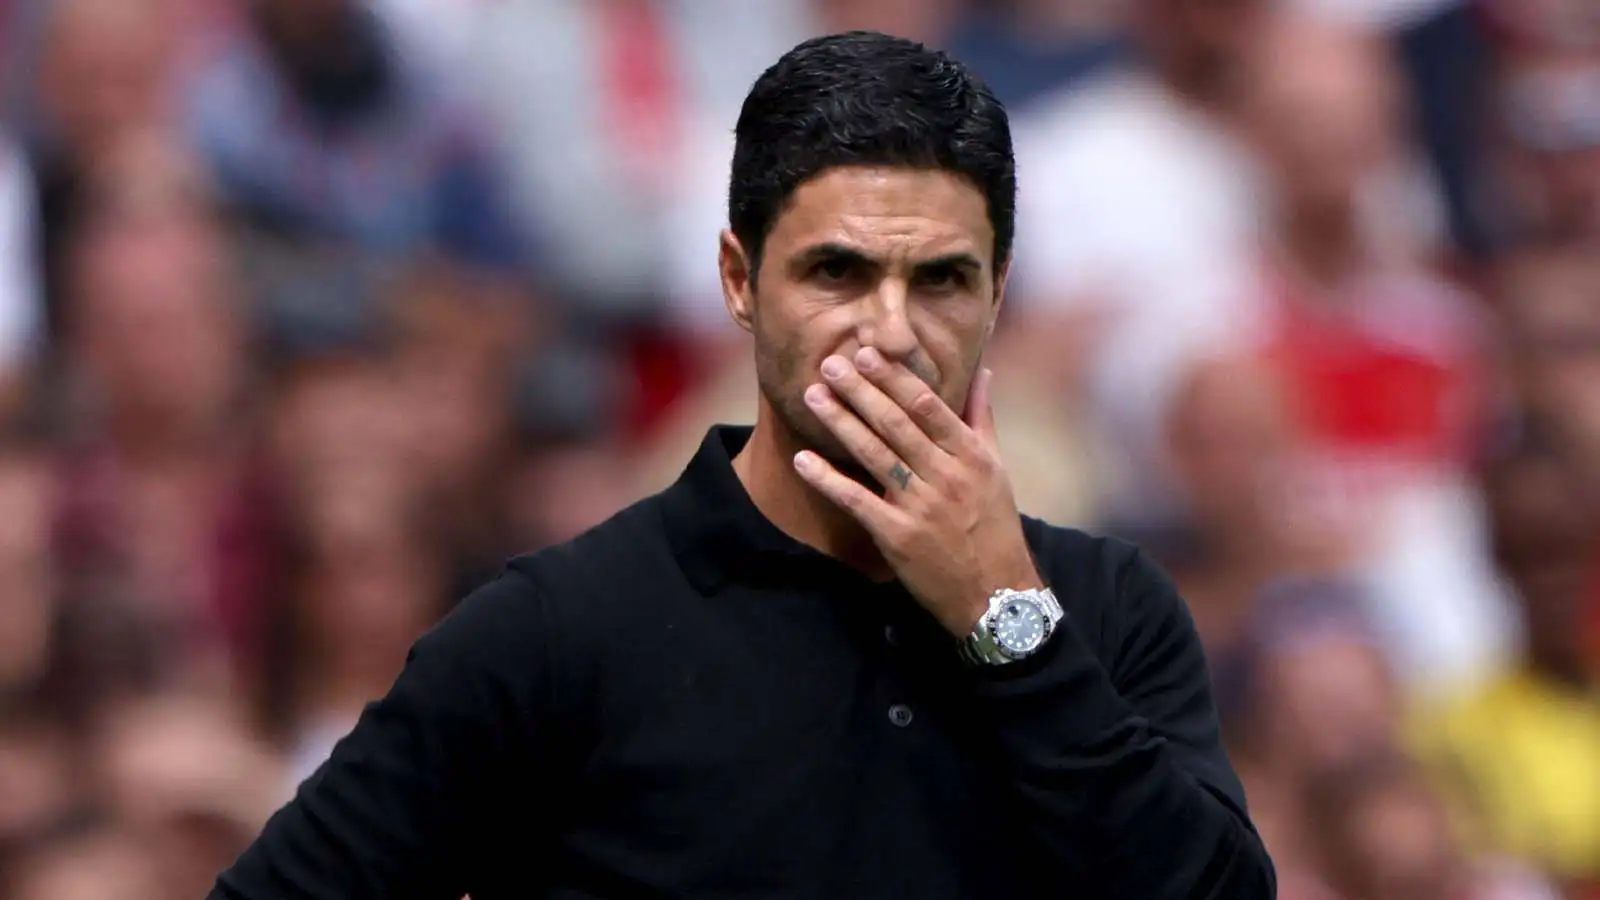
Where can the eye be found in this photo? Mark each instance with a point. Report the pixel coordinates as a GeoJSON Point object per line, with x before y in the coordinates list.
{"type": "Point", "coordinates": [943, 278]}
{"type": "Point", "coordinates": [835, 268]}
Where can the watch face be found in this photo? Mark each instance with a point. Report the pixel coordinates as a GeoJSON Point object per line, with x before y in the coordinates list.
{"type": "Point", "coordinates": [1019, 625]}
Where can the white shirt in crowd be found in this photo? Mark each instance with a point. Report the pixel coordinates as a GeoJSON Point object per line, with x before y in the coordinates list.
{"type": "Point", "coordinates": [19, 287]}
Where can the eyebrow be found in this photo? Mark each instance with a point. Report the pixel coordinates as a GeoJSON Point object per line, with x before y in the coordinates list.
{"type": "Point", "coordinates": [957, 260]}
{"type": "Point", "coordinates": [817, 253]}
{"type": "Point", "coordinates": [842, 252]}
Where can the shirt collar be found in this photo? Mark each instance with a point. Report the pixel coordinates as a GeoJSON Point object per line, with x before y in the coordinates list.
{"type": "Point", "coordinates": [714, 528]}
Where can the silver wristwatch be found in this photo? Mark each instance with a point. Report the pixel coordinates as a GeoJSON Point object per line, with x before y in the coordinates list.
{"type": "Point", "coordinates": [1015, 626]}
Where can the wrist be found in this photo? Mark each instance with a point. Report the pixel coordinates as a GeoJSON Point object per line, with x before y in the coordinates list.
{"type": "Point", "coordinates": [975, 603]}
{"type": "Point", "coordinates": [1015, 626]}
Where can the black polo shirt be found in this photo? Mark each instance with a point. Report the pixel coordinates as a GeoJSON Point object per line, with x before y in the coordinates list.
{"type": "Point", "coordinates": [685, 702]}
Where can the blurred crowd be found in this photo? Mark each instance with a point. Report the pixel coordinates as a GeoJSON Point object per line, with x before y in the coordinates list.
{"type": "Point", "coordinates": [314, 311]}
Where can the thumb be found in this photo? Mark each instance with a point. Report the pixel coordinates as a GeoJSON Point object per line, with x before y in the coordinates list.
{"type": "Point", "coordinates": [980, 412]}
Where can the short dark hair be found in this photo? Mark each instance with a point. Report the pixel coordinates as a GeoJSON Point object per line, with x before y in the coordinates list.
{"type": "Point", "coordinates": [866, 98]}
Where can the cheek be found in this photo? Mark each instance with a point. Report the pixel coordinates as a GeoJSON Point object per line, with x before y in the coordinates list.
{"type": "Point", "coordinates": [792, 344]}
{"type": "Point", "coordinates": [953, 342]}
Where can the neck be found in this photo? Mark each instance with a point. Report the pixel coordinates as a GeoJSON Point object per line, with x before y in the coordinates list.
{"type": "Point", "coordinates": [1324, 241]}
{"type": "Point", "coordinates": [340, 683]}
{"type": "Point", "coordinates": [147, 442]}
{"type": "Point", "coordinates": [1558, 665]}
{"type": "Point", "coordinates": [1207, 86]}
{"type": "Point", "coordinates": [766, 469]}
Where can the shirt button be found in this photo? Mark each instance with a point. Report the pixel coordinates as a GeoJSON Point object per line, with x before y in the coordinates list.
{"type": "Point", "coordinates": [900, 715]}
{"type": "Point", "coordinates": [890, 636]}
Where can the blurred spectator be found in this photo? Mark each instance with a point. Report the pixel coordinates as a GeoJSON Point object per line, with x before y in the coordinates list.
{"type": "Point", "coordinates": [39, 772]}
{"type": "Point", "coordinates": [1233, 444]}
{"type": "Point", "coordinates": [1547, 106]}
{"type": "Point", "coordinates": [189, 781]}
{"type": "Point", "coordinates": [571, 465]}
{"type": "Point", "coordinates": [454, 350]}
{"type": "Point", "coordinates": [365, 580]}
{"type": "Point", "coordinates": [161, 500]}
{"type": "Point", "coordinates": [607, 110]}
{"type": "Point", "coordinates": [1385, 836]}
{"type": "Point", "coordinates": [1522, 754]}
{"type": "Point", "coordinates": [317, 125]}
{"type": "Point", "coordinates": [104, 70]}
{"type": "Point", "coordinates": [560, 489]}
{"type": "Point", "coordinates": [27, 569]}
{"type": "Point", "coordinates": [19, 281]}
{"type": "Point", "coordinates": [1027, 49]}
{"type": "Point", "coordinates": [1548, 302]}
{"type": "Point", "coordinates": [339, 433]}
{"type": "Point", "coordinates": [1383, 360]}
{"type": "Point", "coordinates": [1535, 24]}
{"type": "Point", "coordinates": [90, 863]}
{"type": "Point", "coordinates": [928, 21]}
{"type": "Point", "coordinates": [1305, 688]}
{"type": "Point", "coordinates": [1139, 220]}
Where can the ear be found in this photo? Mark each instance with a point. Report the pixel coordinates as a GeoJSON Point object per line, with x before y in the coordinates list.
{"type": "Point", "coordinates": [738, 281]}
{"type": "Point", "coordinates": [1001, 278]}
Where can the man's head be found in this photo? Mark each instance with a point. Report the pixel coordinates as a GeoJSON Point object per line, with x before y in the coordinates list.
{"type": "Point", "coordinates": [872, 203]}
{"type": "Point", "coordinates": [1322, 103]}
{"type": "Point", "coordinates": [1199, 47]}
{"type": "Point", "coordinates": [1543, 537]}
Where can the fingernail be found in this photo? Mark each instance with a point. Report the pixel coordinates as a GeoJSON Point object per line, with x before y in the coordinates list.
{"type": "Point", "coordinates": [867, 358]}
{"type": "Point", "coordinates": [817, 395]}
{"type": "Point", "coordinates": [804, 460]}
{"type": "Point", "coordinates": [835, 367]}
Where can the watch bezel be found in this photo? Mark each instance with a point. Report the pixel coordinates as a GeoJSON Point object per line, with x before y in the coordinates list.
{"type": "Point", "coordinates": [983, 645]}
{"type": "Point", "coordinates": [992, 622]}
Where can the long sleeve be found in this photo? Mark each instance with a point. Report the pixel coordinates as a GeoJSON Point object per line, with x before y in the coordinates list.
{"type": "Point", "coordinates": [1120, 764]}
{"type": "Point", "coordinates": [406, 799]}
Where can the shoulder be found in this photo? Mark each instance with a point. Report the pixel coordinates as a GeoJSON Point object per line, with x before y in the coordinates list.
{"type": "Point", "coordinates": [1477, 715]}
{"type": "Point", "coordinates": [1114, 591]}
{"type": "Point", "coordinates": [629, 546]}
{"type": "Point", "coordinates": [534, 590]}
{"type": "Point", "coordinates": [598, 591]}
{"type": "Point", "coordinates": [542, 623]}
{"type": "Point", "coordinates": [1105, 566]}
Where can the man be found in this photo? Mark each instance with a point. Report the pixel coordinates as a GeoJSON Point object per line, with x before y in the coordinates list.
{"type": "Point", "coordinates": [831, 660]}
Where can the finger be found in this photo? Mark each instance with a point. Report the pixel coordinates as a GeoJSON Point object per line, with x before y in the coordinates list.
{"type": "Point", "coordinates": [874, 513]}
{"type": "Point", "coordinates": [882, 415]}
{"type": "Point", "coordinates": [909, 392]}
{"type": "Point", "coordinates": [980, 411]}
{"type": "Point", "coordinates": [863, 443]}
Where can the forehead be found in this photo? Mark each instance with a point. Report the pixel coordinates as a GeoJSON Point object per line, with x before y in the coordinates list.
{"type": "Point", "coordinates": [885, 211]}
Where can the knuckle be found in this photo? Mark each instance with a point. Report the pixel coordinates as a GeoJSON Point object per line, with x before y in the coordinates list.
{"type": "Point", "coordinates": [984, 464]}
{"type": "Point", "coordinates": [896, 422]}
{"type": "Point", "coordinates": [897, 533]}
{"type": "Point", "coordinates": [852, 495]}
{"type": "Point", "coordinates": [925, 404]}
{"type": "Point", "coordinates": [947, 476]}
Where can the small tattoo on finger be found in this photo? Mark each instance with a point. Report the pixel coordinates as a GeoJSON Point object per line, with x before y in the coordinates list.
{"type": "Point", "coordinates": [901, 475]}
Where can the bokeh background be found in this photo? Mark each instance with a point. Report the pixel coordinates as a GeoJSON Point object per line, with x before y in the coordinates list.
{"type": "Point", "coordinates": [313, 311]}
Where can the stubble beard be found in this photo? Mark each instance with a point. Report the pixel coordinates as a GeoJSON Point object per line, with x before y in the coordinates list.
{"type": "Point", "coordinates": [783, 384]}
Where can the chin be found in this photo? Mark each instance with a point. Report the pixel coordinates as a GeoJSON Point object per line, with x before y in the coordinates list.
{"type": "Point", "coordinates": [809, 433]}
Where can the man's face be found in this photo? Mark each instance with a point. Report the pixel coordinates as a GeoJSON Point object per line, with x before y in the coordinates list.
{"type": "Point", "coordinates": [901, 260]}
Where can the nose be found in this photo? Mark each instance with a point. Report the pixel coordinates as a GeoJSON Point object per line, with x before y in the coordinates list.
{"type": "Point", "coordinates": [886, 323]}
